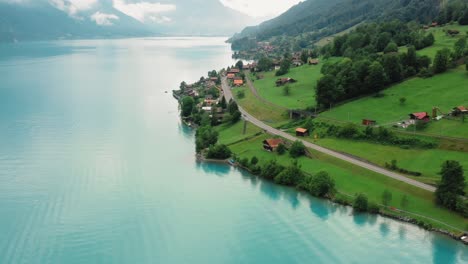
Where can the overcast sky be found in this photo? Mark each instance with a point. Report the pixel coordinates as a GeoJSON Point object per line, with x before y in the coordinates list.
{"type": "Point", "coordinates": [260, 8]}
{"type": "Point", "coordinates": [144, 10]}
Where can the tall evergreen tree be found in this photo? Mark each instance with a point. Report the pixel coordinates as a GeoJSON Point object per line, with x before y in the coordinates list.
{"type": "Point", "coordinates": [451, 185]}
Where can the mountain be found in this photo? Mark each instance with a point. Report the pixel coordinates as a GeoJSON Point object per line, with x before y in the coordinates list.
{"type": "Point", "coordinates": [204, 17]}
{"type": "Point", "coordinates": [326, 17]}
{"type": "Point", "coordinates": [41, 20]}
{"type": "Point", "coordinates": [22, 20]}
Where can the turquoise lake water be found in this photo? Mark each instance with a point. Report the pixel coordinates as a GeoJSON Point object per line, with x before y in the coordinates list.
{"type": "Point", "coordinates": [95, 167]}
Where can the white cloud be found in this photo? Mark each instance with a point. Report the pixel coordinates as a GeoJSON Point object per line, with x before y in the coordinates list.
{"type": "Point", "coordinates": [260, 8]}
{"type": "Point", "coordinates": [103, 19]}
{"type": "Point", "coordinates": [145, 10]}
{"type": "Point", "coordinates": [72, 7]}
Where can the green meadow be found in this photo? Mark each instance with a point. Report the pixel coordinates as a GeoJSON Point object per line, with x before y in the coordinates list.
{"type": "Point", "coordinates": [351, 179]}
{"type": "Point", "coordinates": [444, 91]}
{"type": "Point", "coordinates": [302, 93]}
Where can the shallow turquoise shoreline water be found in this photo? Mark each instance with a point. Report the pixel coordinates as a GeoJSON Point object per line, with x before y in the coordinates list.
{"type": "Point", "coordinates": [95, 167]}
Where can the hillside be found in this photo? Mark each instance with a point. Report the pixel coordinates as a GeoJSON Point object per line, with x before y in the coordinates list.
{"type": "Point", "coordinates": [327, 17]}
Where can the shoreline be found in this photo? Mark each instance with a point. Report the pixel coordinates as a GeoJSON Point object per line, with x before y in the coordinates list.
{"type": "Point", "coordinates": [403, 219]}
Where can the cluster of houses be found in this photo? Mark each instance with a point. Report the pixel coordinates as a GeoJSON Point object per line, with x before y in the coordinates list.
{"type": "Point", "coordinates": [233, 75]}
{"type": "Point", "coordinates": [424, 117]}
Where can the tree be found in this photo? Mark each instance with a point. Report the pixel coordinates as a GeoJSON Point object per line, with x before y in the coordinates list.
{"type": "Point", "coordinates": [361, 203]}
{"type": "Point", "coordinates": [297, 149]}
{"type": "Point", "coordinates": [463, 20]}
{"type": "Point", "coordinates": [404, 202]}
{"type": "Point", "coordinates": [402, 100]}
{"type": "Point", "coordinates": [271, 169]}
{"type": "Point", "coordinates": [309, 124]}
{"type": "Point", "coordinates": [392, 66]}
{"type": "Point", "coordinates": [327, 91]}
{"type": "Point", "coordinates": [205, 137]}
{"type": "Point", "coordinates": [386, 197]}
{"type": "Point", "coordinates": [264, 64]}
{"type": "Point", "coordinates": [377, 78]}
{"type": "Point", "coordinates": [411, 59]}
{"type": "Point", "coordinates": [451, 185]}
{"type": "Point", "coordinates": [286, 90]}
{"type": "Point", "coordinates": [291, 175]}
{"type": "Point", "coordinates": [284, 67]}
{"type": "Point", "coordinates": [304, 56]}
{"type": "Point", "coordinates": [239, 65]}
{"type": "Point", "coordinates": [235, 117]}
{"type": "Point", "coordinates": [187, 106]}
{"type": "Point", "coordinates": [254, 160]}
{"type": "Point", "coordinates": [281, 149]}
{"type": "Point", "coordinates": [223, 103]}
{"type": "Point", "coordinates": [320, 184]}
{"type": "Point", "coordinates": [428, 40]}
{"type": "Point", "coordinates": [391, 47]}
{"type": "Point", "coordinates": [219, 152]}
{"type": "Point", "coordinates": [232, 107]}
{"type": "Point", "coordinates": [441, 60]}
{"type": "Point", "coordinates": [460, 48]}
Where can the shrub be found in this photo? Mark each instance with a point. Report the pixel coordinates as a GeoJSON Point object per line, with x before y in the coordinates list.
{"type": "Point", "coordinates": [320, 184]}
{"type": "Point", "coordinates": [290, 175]}
{"type": "Point", "coordinates": [297, 149]}
{"type": "Point", "coordinates": [219, 152]}
{"type": "Point", "coordinates": [361, 203]}
{"type": "Point", "coordinates": [281, 149]}
{"type": "Point", "coordinates": [254, 160]}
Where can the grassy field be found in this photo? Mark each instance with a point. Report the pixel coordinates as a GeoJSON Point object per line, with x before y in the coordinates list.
{"type": "Point", "coordinates": [426, 161]}
{"type": "Point", "coordinates": [263, 111]}
{"type": "Point", "coordinates": [351, 179]}
{"type": "Point", "coordinates": [442, 39]}
{"type": "Point", "coordinates": [445, 91]}
{"type": "Point", "coordinates": [302, 93]}
{"type": "Point", "coordinates": [229, 134]}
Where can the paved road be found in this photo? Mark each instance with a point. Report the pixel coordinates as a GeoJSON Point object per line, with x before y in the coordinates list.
{"type": "Point", "coordinates": [228, 95]}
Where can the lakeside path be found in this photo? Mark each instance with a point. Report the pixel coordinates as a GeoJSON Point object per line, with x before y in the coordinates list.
{"type": "Point", "coordinates": [271, 130]}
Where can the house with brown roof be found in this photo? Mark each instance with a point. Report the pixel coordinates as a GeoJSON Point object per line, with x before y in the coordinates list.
{"type": "Point", "coordinates": [231, 75]}
{"type": "Point", "coordinates": [283, 81]}
{"type": "Point", "coordinates": [234, 70]}
{"type": "Point", "coordinates": [302, 132]}
{"type": "Point", "coordinates": [272, 143]}
{"type": "Point", "coordinates": [238, 82]}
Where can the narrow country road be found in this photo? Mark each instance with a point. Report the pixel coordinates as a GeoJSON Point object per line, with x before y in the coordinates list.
{"type": "Point", "coordinates": [228, 95]}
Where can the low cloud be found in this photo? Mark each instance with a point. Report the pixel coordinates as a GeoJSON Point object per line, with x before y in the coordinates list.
{"type": "Point", "coordinates": [103, 19]}
{"type": "Point", "coordinates": [143, 11]}
{"type": "Point", "coordinates": [72, 7]}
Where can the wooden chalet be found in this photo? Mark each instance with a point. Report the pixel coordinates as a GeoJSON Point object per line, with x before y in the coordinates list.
{"type": "Point", "coordinates": [369, 122]}
{"type": "Point", "coordinates": [302, 132]}
{"type": "Point", "coordinates": [460, 110]}
{"type": "Point", "coordinates": [231, 75]}
{"type": "Point", "coordinates": [420, 116]}
{"type": "Point", "coordinates": [234, 70]}
{"type": "Point", "coordinates": [314, 61]}
{"type": "Point", "coordinates": [283, 81]}
{"type": "Point", "coordinates": [272, 143]}
{"type": "Point", "coordinates": [297, 62]}
{"type": "Point", "coordinates": [238, 81]}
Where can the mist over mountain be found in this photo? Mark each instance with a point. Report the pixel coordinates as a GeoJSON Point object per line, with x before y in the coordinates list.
{"type": "Point", "coordinates": [22, 20]}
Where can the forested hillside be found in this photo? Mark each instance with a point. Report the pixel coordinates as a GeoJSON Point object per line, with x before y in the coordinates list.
{"type": "Point", "coordinates": [320, 18]}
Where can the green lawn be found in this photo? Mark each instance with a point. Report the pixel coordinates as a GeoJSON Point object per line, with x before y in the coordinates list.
{"type": "Point", "coordinates": [229, 134]}
{"type": "Point", "coordinates": [302, 93]}
{"type": "Point", "coordinates": [263, 111]}
{"type": "Point", "coordinates": [351, 179]}
{"type": "Point", "coordinates": [426, 161]}
{"type": "Point", "coordinates": [445, 91]}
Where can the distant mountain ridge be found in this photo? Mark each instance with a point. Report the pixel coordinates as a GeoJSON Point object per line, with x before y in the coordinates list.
{"type": "Point", "coordinates": [43, 19]}
{"type": "Point", "coordinates": [326, 17]}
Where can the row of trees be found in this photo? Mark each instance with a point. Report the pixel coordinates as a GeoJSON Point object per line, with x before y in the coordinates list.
{"type": "Point", "coordinates": [350, 78]}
